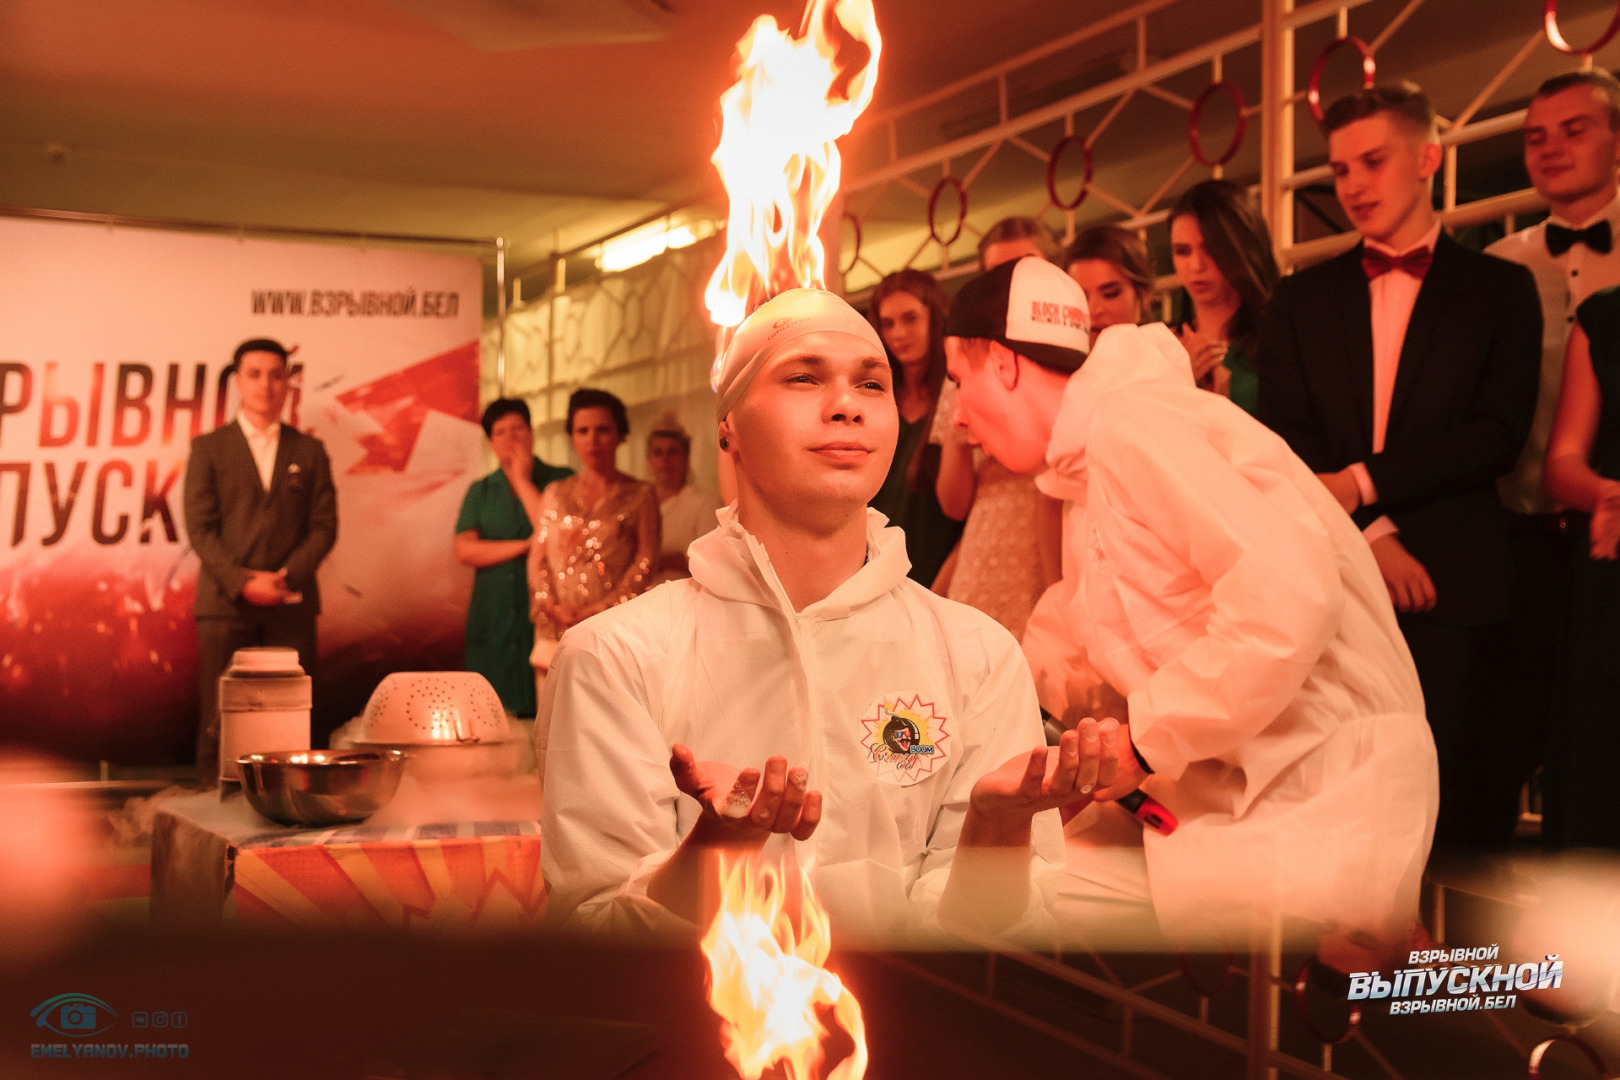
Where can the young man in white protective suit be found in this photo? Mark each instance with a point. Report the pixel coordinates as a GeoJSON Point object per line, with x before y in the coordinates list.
{"type": "Point", "coordinates": [1273, 706]}
{"type": "Point", "coordinates": [800, 696]}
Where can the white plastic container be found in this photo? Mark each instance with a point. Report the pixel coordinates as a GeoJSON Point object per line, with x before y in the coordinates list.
{"type": "Point", "coordinates": [264, 702]}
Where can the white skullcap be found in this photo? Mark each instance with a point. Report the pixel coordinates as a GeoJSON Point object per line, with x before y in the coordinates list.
{"type": "Point", "coordinates": [773, 326]}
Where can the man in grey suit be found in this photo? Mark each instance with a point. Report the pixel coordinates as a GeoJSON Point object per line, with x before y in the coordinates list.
{"type": "Point", "coordinates": [261, 514]}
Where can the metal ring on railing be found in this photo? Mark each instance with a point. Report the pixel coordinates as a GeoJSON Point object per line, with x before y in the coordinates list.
{"type": "Point", "coordinates": [1186, 974]}
{"type": "Point", "coordinates": [855, 255]}
{"type": "Point", "coordinates": [961, 210]}
{"type": "Point", "coordinates": [1051, 172]}
{"type": "Point", "coordinates": [1556, 39]}
{"type": "Point", "coordinates": [1197, 113]}
{"type": "Point", "coordinates": [1369, 70]}
{"type": "Point", "coordinates": [1593, 1058]}
{"type": "Point", "coordinates": [1301, 982]}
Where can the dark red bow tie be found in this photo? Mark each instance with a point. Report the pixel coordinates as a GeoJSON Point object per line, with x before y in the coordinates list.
{"type": "Point", "coordinates": [1377, 263]}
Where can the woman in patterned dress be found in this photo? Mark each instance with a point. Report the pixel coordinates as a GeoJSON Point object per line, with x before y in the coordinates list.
{"type": "Point", "coordinates": [1009, 551]}
{"type": "Point", "coordinates": [596, 533]}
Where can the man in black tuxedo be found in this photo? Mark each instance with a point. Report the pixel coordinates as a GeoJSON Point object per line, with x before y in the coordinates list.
{"type": "Point", "coordinates": [261, 514]}
{"type": "Point", "coordinates": [1571, 150]}
{"type": "Point", "coordinates": [1404, 373]}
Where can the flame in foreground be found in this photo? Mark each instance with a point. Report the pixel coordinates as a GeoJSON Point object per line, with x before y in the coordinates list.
{"type": "Point", "coordinates": [766, 980]}
{"type": "Point", "coordinates": [794, 96]}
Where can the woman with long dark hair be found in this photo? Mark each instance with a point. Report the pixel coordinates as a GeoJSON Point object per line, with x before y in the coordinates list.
{"type": "Point", "coordinates": [1222, 252]}
{"type": "Point", "coordinates": [908, 311]}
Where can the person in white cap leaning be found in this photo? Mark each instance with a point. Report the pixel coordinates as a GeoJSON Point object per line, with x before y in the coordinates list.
{"type": "Point", "coordinates": [1273, 706]}
{"type": "Point", "coordinates": [798, 694]}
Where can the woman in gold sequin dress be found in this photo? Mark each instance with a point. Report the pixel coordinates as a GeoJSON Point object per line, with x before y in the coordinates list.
{"type": "Point", "coordinates": [596, 533]}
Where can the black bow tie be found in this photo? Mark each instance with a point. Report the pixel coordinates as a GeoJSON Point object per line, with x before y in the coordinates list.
{"type": "Point", "coordinates": [1597, 237]}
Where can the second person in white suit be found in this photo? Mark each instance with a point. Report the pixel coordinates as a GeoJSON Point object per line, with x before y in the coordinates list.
{"type": "Point", "coordinates": [1273, 705]}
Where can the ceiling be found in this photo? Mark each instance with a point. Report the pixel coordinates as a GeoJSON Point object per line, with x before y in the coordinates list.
{"type": "Point", "coordinates": [550, 122]}
{"type": "Point", "coordinates": [443, 117]}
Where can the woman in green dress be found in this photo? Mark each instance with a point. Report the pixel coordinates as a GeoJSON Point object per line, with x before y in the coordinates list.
{"type": "Point", "coordinates": [492, 536]}
{"type": "Point", "coordinates": [1221, 250]}
{"type": "Point", "coordinates": [1582, 472]}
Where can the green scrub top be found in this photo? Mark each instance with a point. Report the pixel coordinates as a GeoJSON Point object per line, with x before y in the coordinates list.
{"type": "Point", "coordinates": [499, 633]}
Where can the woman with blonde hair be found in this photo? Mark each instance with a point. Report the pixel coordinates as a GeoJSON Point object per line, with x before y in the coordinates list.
{"type": "Point", "coordinates": [1013, 238]}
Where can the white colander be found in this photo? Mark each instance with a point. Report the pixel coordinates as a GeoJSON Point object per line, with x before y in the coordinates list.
{"type": "Point", "coordinates": [433, 708]}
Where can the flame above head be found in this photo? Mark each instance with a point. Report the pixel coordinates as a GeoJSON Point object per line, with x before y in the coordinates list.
{"type": "Point", "coordinates": [766, 980]}
{"type": "Point", "coordinates": [795, 95]}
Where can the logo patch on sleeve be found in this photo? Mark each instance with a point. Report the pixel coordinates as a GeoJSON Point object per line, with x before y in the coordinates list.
{"type": "Point", "coordinates": [904, 738]}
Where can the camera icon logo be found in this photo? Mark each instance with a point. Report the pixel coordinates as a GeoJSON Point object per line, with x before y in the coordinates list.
{"type": "Point", "coordinates": [75, 1015]}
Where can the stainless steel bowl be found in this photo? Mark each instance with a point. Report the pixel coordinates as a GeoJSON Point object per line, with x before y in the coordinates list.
{"type": "Point", "coordinates": [321, 787]}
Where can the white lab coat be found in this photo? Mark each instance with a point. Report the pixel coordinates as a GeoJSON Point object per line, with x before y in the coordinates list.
{"type": "Point", "coordinates": [722, 663]}
{"type": "Point", "coordinates": [1219, 586]}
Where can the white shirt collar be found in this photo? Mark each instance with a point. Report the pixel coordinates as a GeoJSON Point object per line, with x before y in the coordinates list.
{"type": "Point", "coordinates": [1608, 212]}
{"type": "Point", "coordinates": [1430, 238]}
{"type": "Point", "coordinates": [254, 433]}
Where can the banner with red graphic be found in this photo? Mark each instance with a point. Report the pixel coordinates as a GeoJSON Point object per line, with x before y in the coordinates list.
{"type": "Point", "coordinates": [114, 345]}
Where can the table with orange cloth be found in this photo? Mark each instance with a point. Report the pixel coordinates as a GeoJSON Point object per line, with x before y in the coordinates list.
{"type": "Point", "coordinates": [215, 858]}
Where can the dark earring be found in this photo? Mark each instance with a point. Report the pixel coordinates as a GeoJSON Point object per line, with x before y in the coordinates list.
{"type": "Point", "coordinates": [724, 445]}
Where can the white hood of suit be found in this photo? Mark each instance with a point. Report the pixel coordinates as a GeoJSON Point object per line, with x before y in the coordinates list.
{"type": "Point", "coordinates": [1122, 355]}
{"type": "Point", "coordinates": [722, 663]}
{"type": "Point", "coordinates": [731, 564]}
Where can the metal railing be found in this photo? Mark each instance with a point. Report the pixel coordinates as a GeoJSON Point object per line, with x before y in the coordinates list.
{"type": "Point", "coordinates": [933, 245]}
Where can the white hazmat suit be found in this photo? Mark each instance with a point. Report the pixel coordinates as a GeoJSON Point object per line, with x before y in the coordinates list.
{"type": "Point", "coordinates": [722, 663]}
{"type": "Point", "coordinates": [1212, 579]}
